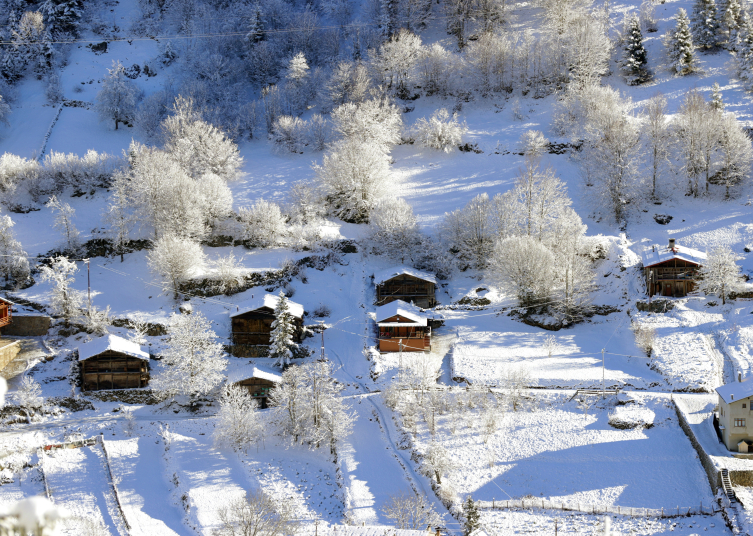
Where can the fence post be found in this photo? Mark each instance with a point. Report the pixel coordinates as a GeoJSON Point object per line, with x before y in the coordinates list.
{"type": "Point", "coordinates": [631, 511]}
{"type": "Point", "coordinates": [618, 511]}
{"type": "Point", "coordinates": [492, 503]}
{"type": "Point", "coordinates": [662, 511]}
{"type": "Point", "coordinates": [678, 511]}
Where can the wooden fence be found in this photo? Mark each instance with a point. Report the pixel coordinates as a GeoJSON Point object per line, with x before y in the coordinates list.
{"type": "Point", "coordinates": [594, 509]}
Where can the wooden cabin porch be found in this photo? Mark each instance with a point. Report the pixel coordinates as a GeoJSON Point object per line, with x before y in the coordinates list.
{"type": "Point", "coordinates": [414, 339]}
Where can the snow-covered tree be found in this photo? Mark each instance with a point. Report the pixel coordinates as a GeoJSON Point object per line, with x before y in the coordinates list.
{"type": "Point", "coordinates": [647, 16]}
{"type": "Point", "coordinates": [720, 273]}
{"type": "Point", "coordinates": [375, 122]}
{"type": "Point", "coordinates": [117, 99]}
{"type": "Point", "coordinates": [635, 60]}
{"type": "Point", "coordinates": [736, 154]}
{"type": "Point", "coordinates": [524, 267]}
{"type": "Point", "coordinates": [306, 203]}
{"type": "Point", "coordinates": [436, 461]}
{"type": "Point", "coordinates": [392, 229]}
{"type": "Point", "coordinates": [732, 20]}
{"type": "Point", "coordinates": [533, 145]}
{"type": "Point", "coordinates": [432, 68]}
{"type": "Point", "coordinates": [409, 511]}
{"type": "Point", "coordinates": [697, 127]}
{"type": "Point", "coordinates": [349, 82]}
{"type": "Point", "coordinates": [29, 397]}
{"type": "Point", "coordinates": [238, 424]}
{"type": "Point", "coordinates": [283, 330]}
{"type": "Point", "coordinates": [257, 514]}
{"type": "Point", "coordinates": [679, 45]}
{"type": "Point", "coordinates": [4, 111]}
{"type": "Point", "coordinates": [589, 50]}
{"type": "Point", "coordinates": [193, 362]}
{"type": "Point", "coordinates": [62, 16]}
{"type": "Point", "coordinates": [472, 517]}
{"type": "Point", "coordinates": [743, 48]}
{"type": "Point", "coordinates": [705, 23]}
{"type": "Point", "coordinates": [65, 301]}
{"type": "Point", "coordinates": [658, 138]}
{"type": "Point", "coordinates": [319, 132]}
{"type": "Point", "coordinates": [441, 131]}
{"type": "Point", "coordinates": [118, 213]}
{"type": "Point", "coordinates": [197, 146]}
{"type": "Point", "coordinates": [229, 273]}
{"type": "Point", "coordinates": [175, 260]}
{"type": "Point", "coordinates": [64, 215]}
{"type": "Point", "coordinates": [394, 61]}
{"type": "Point", "coordinates": [289, 134]}
{"type": "Point", "coordinates": [542, 198]}
{"type": "Point", "coordinates": [716, 101]}
{"type": "Point", "coordinates": [97, 321]}
{"type": "Point", "coordinates": [14, 262]}
{"type": "Point", "coordinates": [354, 176]}
{"type": "Point", "coordinates": [468, 232]}
{"type": "Point", "coordinates": [263, 224]}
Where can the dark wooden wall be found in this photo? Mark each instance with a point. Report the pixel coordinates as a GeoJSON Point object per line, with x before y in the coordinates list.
{"type": "Point", "coordinates": [254, 328]}
{"type": "Point", "coordinates": [258, 389]}
{"type": "Point", "coordinates": [407, 288]}
{"type": "Point", "coordinates": [113, 370]}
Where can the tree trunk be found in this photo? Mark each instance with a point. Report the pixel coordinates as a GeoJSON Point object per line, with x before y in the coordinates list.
{"type": "Point", "coordinates": [116, 124]}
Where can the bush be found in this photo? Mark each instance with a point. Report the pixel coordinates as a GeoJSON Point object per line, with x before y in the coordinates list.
{"type": "Point", "coordinates": [264, 224]}
{"type": "Point", "coordinates": [442, 131]}
{"type": "Point", "coordinates": [289, 134]}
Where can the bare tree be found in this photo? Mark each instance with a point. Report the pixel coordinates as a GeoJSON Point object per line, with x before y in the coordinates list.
{"type": "Point", "coordinates": [29, 397]}
{"type": "Point", "coordinates": [469, 231]}
{"type": "Point", "coordinates": [14, 262]}
{"type": "Point", "coordinates": [736, 154]}
{"type": "Point", "coordinates": [436, 462]}
{"type": "Point", "coordinates": [376, 122]}
{"type": "Point", "coordinates": [257, 514]}
{"type": "Point", "coordinates": [658, 135]}
{"type": "Point", "coordinates": [410, 511]}
{"type": "Point", "coordinates": [263, 224]}
{"type": "Point", "coordinates": [66, 301]}
{"type": "Point", "coordinates": [524, 267]}
{"type": "Point", "coordinates": [550, 345]}
{"type": "Point", "coordinates": [116, 101]}
{"type": "Point", "coordinates": [392, 229]}
{"type": "Point", "coordinates": [441, 131]}
{"type": "Point", "coordinates": [645, 337]}
{"type": "Point", "coordinates": [118, 213]}
{"type": "Point", "coordinates": [698, 128]}
{"type": "Point", "coordinates": [64, 215]}
{"type": "Point", "coordinates": [395, 59]}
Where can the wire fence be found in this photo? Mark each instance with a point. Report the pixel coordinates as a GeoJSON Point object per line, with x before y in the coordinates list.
{"type": "Point", "coordinates": [585, 508]}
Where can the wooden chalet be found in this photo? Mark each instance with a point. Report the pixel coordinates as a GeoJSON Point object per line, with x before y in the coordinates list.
{"type": "Point", "coordinates": [6, 314]}
{"type": "Point", "coordinates": [252, 326]}
{"type": "Point", "coordinates": [111, 362]}
{"type": "Point", "coordinates": [257, 380]}
{"type": "Point", "coordinates": [403, 323]}
{"type": "Point", "coordinates": [671, 271]}
{"type": "Point", "coordinates": [406, 284]}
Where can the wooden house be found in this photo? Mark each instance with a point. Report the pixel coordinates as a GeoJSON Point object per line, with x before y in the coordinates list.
{"type": "Point", "coordinates": [406, 284]}
{"type": "Point", "coordinates": [671, 271]}
{"type": "Point", "coordinates": [257, 380]}
{"type": "Point", "coordinates": [403, 323]}
{"type": "Point", "coordinates": [111, 362]}
{"type": "Point", "coordinates": [6, 314]}
{"type": "Point", "coordinates": [252, 326]}
{"type": "Point", "coordinates": [736, 415]}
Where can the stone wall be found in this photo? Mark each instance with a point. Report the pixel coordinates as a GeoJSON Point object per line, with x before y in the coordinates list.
{"type": "Point", "coordinates": [712, 472]}
{"type": "Point", "coordinates": [27, 326]}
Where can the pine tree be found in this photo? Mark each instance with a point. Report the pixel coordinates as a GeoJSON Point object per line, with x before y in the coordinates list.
{"type": "Point", "coordinates": [256, 26]}
{"type": "Point", "coordinates": [388, 17]}
{"type": "Point", "coordinates": [732, 17]}
{"type": "Point", "coordinates": [679, 45]}
{"type": "Point", "coordinates": [705, 23]}
{"type": "Point", "coordinates": [744, 50]}
{"type": "Point", "coordinates": [472, 516]}
{"type": "Point", "coordinates": [716, 98]}
{"type": "Point", "coordinates": [283, 329]}
{"type": "Point", "coordinates": [635, 61]}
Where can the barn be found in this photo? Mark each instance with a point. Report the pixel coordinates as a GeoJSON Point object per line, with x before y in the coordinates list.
{"type": "Point", "coordinates": [252, 325]}
{"type": "Point", "coordinates": [402, 323]}
{"type": "Point", "coordinates": [6, 314]}
{"type": "Point", "coordinates": [257, 380]}
{"type": "Point", "coordinates": [111, 362]}
{"type": "Point", "coordinates": [407, 284]}
{"type": "Point", "coordinates": [671, 271]}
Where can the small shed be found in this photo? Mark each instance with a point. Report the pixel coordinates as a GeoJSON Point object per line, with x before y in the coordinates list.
{"type": "Point", "coordinates": [401, 322]}
{"type": "Point", "coordinates": [252, 325]}
{"type": "Point", "coordinates": [112, 362]}
{"type": "Point", "coordinates": [671, 271]}
{"type": "Point", "coordinates": [6, 313]}
{"type": "Point", "coordinates": [407, 284]}
{"type": "Point", "coordinates": [259, 382]}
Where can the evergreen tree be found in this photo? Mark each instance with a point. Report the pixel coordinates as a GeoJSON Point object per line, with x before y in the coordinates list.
{"type": "Point", "coordinates": [732, 18]}
{"type": "Point", "coordinates": [716, 98]}
{"type": "Point", "coordinates": [679, 45]}
{"type": "Point", "coordinates": [705, 23]}
{"type": "Point", "coordinates": [256, 26]}
{"type": "Point", "coordinates": [472, 516]}
{"type": "Point", "coordinates": [283, 329]}
{"type": "Point", "coordinates": [744, 50]}
{"type": "Point", "coordinates": [635, 61]}
{"type": "Point", "coordinates": [388, 17]}
{"type": "Point", "coordinates": [62, 16]}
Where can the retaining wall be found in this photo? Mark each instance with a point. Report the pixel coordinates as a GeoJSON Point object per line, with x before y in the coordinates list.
{"type": "Point", "coordinates": [712, 472]}
{"type": "Point", "coordinates": [27, 326]}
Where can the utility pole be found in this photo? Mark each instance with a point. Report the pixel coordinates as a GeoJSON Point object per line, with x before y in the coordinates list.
{"type": "Point", "coordinates": [400, 346]}
{"type": "Point", "coordinates": [602, 373]}
{"type": "Point", "coordinates": [321, 323]}
{"type": "Point", "coordinates": [89, 284]}
{"type": "Point", "coordinates": [650, 277]}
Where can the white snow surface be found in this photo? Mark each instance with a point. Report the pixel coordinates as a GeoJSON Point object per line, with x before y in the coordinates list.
{"type": "Point", "coordinates": [386, 275]}
{"type": "Point", "coordinates": [400, 308]}
{"type": "Point", "coordinates": [114, 343]}
{"type": "Point", "coordinates": [267, 300]}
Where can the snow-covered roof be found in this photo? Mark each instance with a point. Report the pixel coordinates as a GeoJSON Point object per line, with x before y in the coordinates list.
{"type": "Point", "coordinates": [114, 343]}
{"type": "Point", "coordinates": [6, 300]}
{"type": "Point", "coordinates": [657, 255]}
{"type": "Point", "coordinates": [269, 300]}
{"type": "Point", "coordinates": [735, 391]}
{"type": "Point", "coordinates": [401, 308]}
{"type": "Point", "coordinates": [385, 275]}
{"type": "Point", "coordinates": [262, 373]}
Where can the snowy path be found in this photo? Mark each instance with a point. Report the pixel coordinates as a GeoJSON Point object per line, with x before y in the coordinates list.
{"type": "Point", "coordinates": [78, 481]}
{"type": "Point", "coordinates": [206, 479]}
{"type": "Point", "coordinates": [145, 497]}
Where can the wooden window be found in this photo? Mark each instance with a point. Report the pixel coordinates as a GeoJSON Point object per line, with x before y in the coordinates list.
{"type": "Point", "coordinates": [744, 406]}
{"type": "Point", "coordinates": [740, 423]}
